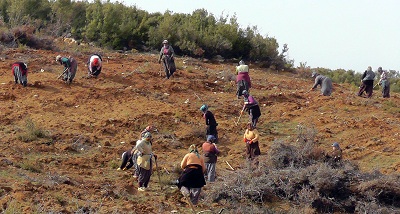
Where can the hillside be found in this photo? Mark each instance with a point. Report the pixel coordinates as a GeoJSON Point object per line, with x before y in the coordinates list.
{"type": "Point", "coordinates": [84, 127]}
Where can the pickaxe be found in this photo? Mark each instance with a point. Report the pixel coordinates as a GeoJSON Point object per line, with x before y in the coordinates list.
{"type": "Point", "coordinates": [65, 70]}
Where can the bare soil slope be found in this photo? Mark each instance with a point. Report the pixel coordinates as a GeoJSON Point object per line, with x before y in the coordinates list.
{"type": "Point", "coordinates": [83, 128]}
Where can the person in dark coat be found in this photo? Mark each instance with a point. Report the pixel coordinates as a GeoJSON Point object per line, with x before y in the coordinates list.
{"type": "Point", "coordinates": [367, 82]}
{"type": "Point", "coordinates": [127, 161]}
{"type": "Point", "coordinates": [210, 122]}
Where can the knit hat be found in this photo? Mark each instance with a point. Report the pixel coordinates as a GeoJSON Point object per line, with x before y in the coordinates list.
{"type": "Point", "coordinates": [241, 62]}
{"type": "Point", "coordinates": [336, 145]}
{"type": "Point", "coordinates": [58, 58]}
{"type": "Point", "coordinates": [245, 93]}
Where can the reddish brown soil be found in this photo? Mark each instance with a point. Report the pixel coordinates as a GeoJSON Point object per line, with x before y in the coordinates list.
{"type": "Point", "coordinates": [92, 121]}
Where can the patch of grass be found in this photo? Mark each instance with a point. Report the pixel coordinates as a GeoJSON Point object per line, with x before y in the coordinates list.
{"type": "Point", "coordinates": [30, 165]}
{"type": "Point", "coordinates": [60, 199]}
{"type": "Point", "coordinates": [113, 164]}
{"type": "Point", "coordinates": [13, 207]}
{"type": "Point", "coordinates": [22, 47]}
{"type": "Point", "coordinates": [31, 132]}
{"type": "Point", "coordinates": [391, 107]}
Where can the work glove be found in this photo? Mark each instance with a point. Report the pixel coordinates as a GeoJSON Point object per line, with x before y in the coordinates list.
{"type": "Point", "coordinates": [124, 169]}
{"type": "Point", "coordinates": [245, 140]}
{"type": "Point", "coordinates": [251, 141]}
{"type": "Point", "coordinates": [118, 169]}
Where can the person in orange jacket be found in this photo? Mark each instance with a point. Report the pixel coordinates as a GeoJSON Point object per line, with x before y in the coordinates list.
{"type": "Point", "coordinates": [192, 178]}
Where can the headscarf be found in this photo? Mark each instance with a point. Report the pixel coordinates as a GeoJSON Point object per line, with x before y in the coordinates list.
{"type": "Point", "coordinates": [193, 149]}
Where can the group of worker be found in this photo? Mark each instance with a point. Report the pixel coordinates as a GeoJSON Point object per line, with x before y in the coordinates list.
{"type": "Point", "coordinates": [367, 83]}
{"type": "Point", "coordinates": [198, 168]}
{"type": "Point", "coordinates": [94, 64]}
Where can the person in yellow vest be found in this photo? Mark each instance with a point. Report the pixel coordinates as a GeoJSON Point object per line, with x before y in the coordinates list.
{"type": "Point", "coordinates": [251, 138]}
{"type": "Point", "coordinates": [144, 161]}
{"type": "Point", "coordinates": [192, 178]}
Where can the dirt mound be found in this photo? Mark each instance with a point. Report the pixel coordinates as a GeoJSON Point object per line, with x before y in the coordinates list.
{"type": "Point", "coordinates": [65, 158]}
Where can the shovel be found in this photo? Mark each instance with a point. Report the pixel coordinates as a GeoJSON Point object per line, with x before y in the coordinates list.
{"type": "Point", "coordinates": [237, 123]}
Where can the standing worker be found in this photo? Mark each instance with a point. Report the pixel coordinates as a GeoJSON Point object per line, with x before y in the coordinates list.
{"type": "Point", "coordinates": [192, 178]}
{"type": "Point", "coordinates": [384, 82]}
{"type": "Point", "coordinates": [136, 152]}
{"type": "Point", "coordinates": [251, 137]}
{"type": "Point", "coordinates": [367, 82]}
{"type": "Point", "coordinates": [94, 65]}
{"type": "Point", "coordinates": [210, 152]}
{"type": "Point", "coordinates": [144, 161]}
{"type": "Point", "coordinates": [20, 72]}
{"type": "Point", "coordinates": [325, 82]}
{"type": "Point", "coordinates": [70, 68]}
{"type": "Point", "coordinates": [167, 56]}
{"type": "Point", "coordinates": [242, 79]}
{"type": "Point", "coordinates": [210, 122]}
{"type": "Point", "coordinates": [252, 107]}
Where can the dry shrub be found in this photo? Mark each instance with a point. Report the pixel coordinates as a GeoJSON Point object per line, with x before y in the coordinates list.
{"type": "Point", "coordinates": [310, 184]}
{"type": "Point", "coordinates": [25, 35]}
{"type": "Point", "coordinates": [374, 208]}
{"type": "Point", "coordinates": [6, 37]}
{"type": "Point", "coordinates": [282, 155]}
{"type": "Point", "coordinates": [385, 189]}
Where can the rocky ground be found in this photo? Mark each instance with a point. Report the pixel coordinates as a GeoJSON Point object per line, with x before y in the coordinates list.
{"type": "Point", "coordinates": [61, 144]}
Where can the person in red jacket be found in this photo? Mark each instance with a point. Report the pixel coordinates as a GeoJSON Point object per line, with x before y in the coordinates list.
{"type": "Point", "coordinates": [210, 152]}
{"type": "Point", "coordinates": [20, 72]}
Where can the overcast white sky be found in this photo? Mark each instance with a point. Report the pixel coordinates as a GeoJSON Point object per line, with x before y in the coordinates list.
{"type": "Point", "coordinates": [348, 34]}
